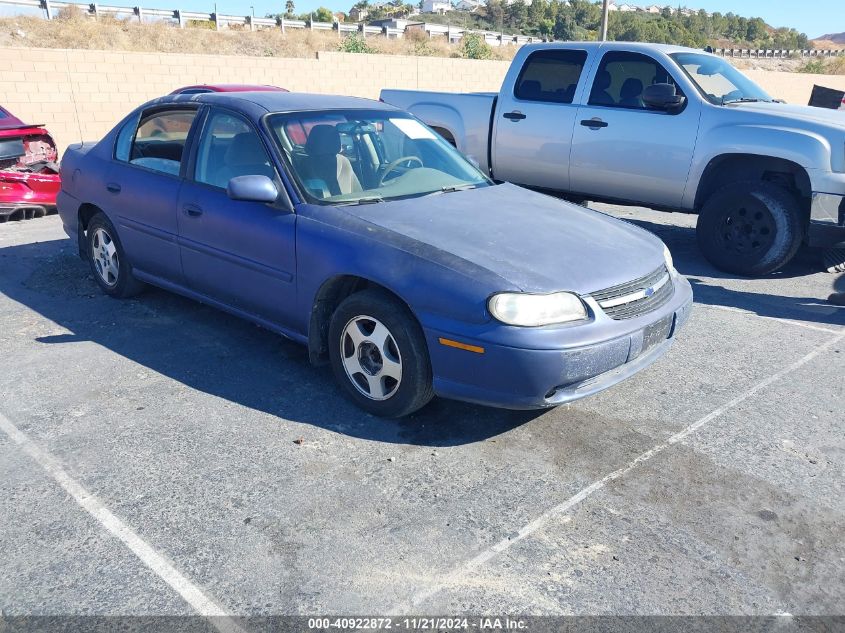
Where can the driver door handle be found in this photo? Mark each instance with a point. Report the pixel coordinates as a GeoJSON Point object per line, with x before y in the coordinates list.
{"type": "Point", "coordinates": [594, 123]}
{"type": "Point", "coordinates": [113, 187]}
{"type": "Point", "coordinates": [192, 210]}
{"type": "Point", "coordinates": [514, 116]}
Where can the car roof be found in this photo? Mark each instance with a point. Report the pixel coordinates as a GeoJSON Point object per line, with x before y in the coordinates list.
{"type": "Point", "coordinates": [7, 119]}
{"type": "Point", "coordinates": [254, 102]}
{"type": "Point", "coordinates": [639, 47]}
{"type": "Point", "coordinates": [232, 88]}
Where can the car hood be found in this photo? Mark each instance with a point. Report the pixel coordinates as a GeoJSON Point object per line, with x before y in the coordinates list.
{"type": "Point", "coordinates": [809, 113]}
{"type": "Point", "coordinates": [536, 242]}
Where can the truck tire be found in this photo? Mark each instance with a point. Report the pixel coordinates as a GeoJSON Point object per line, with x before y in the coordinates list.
{"type": "Point", "coordinates": [750, 228]}
{"type": "Point", "coordinates": [833, 259]}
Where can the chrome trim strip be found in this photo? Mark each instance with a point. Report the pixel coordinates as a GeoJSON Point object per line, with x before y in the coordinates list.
{"type": "Point", "coordinates": [635, 296]}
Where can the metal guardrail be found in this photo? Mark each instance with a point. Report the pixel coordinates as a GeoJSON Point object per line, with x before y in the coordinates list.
{"type": "Point", "coordinates": [181, 18]}
{"type": "Point", "coordinates": [777, 53]}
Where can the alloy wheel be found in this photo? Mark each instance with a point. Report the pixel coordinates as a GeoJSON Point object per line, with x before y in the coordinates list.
{"type": "Point", "coordinates": [104, 255]}
{"type": "Point", "coordinates": [371, 357]}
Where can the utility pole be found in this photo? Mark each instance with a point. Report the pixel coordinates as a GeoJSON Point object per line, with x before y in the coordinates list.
{"type": "Point", "coordinates": [604, 14]}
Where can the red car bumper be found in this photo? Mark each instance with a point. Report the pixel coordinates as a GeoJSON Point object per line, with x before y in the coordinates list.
{"type": "Point", "coordinates": [29, 179]}
{"type": "Point", "coordinates": [27, 195]}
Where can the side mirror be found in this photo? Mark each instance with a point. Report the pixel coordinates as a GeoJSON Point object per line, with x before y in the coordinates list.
{"type": "Point", "coordinates": [663, 97]}
{"type": "Point", "coordinates": [252, 189]}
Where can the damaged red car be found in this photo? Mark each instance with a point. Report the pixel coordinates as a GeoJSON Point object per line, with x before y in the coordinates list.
{"type": "Point", "coordinates": [29, 170]}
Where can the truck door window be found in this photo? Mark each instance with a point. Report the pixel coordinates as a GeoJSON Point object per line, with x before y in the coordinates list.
{"type": "Point", "coordinates": [550, 76]}
{"type": "Point", "coordinates": [622, 77]}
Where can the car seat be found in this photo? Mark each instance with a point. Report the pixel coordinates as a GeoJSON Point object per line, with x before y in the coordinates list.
{"type": "Point", "coordinates": [599, 94]}
{"type": "Point", "coordinates": [325, 162]}
{"type": "Point", "coordinates": [631, 95]}
{"type": "Point", "coordinates": [244, 158]}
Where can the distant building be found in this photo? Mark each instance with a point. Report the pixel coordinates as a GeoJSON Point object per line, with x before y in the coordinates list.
{"type": "Point", "coordinates": [627, 8]}
{"type": "Point", "coordinates": [358, 15]}
{"type": "Point", "coordinates": [469, 5]}
{"type": "Point", "coordinates": [436, 6]}
{"type": "Point", "coordinates": [654, 9]}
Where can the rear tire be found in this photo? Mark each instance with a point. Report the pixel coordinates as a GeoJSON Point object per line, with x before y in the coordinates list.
{"type": "Point", "coordinates": [109, 264]}
{"type": "Point", "coordinates": [379, 355]}
{"type": "Point", "coordinates": [750, 228]}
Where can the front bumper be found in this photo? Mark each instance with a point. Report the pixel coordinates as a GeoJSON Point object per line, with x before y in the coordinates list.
{"type": "Point", "coordinates": [827, 220]}
{"type": "Point", "coordinates": [582, 365]}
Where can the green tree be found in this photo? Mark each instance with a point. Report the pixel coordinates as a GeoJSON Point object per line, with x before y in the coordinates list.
{"type": "Point", "coordinates": [289, 7]}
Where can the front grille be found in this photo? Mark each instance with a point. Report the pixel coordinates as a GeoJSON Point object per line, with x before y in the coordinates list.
{"type": "Point", "coordinates": [641, 296]}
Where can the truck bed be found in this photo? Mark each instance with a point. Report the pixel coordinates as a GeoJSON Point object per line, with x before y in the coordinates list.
{"type": "Point", "coordinates": [467, 114]}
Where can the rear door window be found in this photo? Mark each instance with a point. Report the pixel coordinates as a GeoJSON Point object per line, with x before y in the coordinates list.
{"type": "Point", "coordinates": [550, 76]}
{"type": "Point", "coordinates": [159, 142]}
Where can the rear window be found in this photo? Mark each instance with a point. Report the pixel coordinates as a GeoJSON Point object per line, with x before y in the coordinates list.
{"type": "Point", "coordinates": [3, 114]}
{"type": "Point", "coordinates": [550, 76]}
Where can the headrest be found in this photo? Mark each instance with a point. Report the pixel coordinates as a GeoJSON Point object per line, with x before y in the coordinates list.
{"type": "Point", "coordinates": [632, 87]}
{"type": "Point", "coordinates": [245, 149]}
{"type": "Point", "coordinates": [323, 140]}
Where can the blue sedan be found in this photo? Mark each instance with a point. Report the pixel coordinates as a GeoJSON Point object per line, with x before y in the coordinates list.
{"type": "Point", "coordinates": [351, 227]}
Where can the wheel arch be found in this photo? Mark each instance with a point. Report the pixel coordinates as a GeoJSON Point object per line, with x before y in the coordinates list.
{"type": "Point", "coordinates": [726, 169]}
{"type": "Point", "coordinates": [330, 295]}
{"type": "Point", "coordinates": [83, 217]}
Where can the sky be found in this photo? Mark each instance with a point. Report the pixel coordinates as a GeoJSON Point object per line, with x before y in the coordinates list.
{"type": "Point", "coordinates": [813, 17]}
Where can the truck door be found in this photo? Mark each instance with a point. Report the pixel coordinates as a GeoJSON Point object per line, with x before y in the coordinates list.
{"type": "Point", "coordinates": [621, 149]}
{"type": "Point", "coordinates": [534, 121]}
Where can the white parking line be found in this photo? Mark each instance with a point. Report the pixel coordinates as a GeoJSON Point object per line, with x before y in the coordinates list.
{"type": "Point", "coordinates": [155, 561]}
{"type": "Point", "coordinates": [461, 571]}
{"type": "Point", "coordinates": [809, 326]}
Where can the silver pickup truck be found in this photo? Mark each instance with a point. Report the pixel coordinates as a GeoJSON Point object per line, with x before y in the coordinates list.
{"type": "Point", "coordinates": [660, 126]}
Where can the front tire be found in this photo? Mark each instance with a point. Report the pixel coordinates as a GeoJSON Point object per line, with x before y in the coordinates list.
{"type": "Point", "coordinates": [379, 355]}
{"type": "Point", "coordinates": [108, 260]}
{"type": "Point", "coordinates": [750, 228]}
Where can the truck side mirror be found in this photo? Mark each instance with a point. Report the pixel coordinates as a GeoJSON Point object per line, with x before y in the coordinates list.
{"type": "Point", "coordinates": [663, 97]}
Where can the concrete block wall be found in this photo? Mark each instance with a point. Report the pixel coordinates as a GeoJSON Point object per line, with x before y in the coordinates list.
{"type": "Point", "coordinates": [81, 94]}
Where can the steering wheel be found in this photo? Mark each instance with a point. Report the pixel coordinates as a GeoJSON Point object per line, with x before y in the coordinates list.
{"type": "Point", "coordinates": [392, 165]}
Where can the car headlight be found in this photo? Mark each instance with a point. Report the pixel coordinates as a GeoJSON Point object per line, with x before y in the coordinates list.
{"type": "Point", "coordinates": [516, 308]}
{"type": "Point", "coordinates": [670, 265]}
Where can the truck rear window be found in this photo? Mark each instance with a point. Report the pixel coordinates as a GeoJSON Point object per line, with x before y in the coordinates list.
{"type": "Point", "coordinates": [551, 76]}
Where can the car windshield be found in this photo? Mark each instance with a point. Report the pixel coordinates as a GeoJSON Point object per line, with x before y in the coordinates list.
{"type": "Point", "coordinates": [364, 156]}
{"type": "Point", "coordinates": [718, 80]}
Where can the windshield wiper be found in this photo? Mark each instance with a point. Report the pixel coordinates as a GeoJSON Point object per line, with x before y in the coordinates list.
{"type": "Point", "coordinates": [743, 100]}
{"type": "Point", "coordinates": [452, 188]}
{"type": "Point", "coordinates": [365, 200]}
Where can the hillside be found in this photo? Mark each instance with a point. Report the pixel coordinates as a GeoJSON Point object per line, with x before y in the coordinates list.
{"type": "Point", "coordinates": [831, 40]}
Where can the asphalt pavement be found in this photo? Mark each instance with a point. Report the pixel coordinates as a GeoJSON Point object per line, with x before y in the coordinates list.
{"type": "Point", "coordinates": [159, 457]}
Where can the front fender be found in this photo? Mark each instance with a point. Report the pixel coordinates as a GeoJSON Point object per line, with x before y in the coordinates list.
{"type": "Point", "coordinates": [432, 283]}
{"type": "Point", "coordinates": [809, 149]}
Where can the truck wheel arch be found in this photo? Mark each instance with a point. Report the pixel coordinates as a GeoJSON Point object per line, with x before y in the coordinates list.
{"type": "Point", "coordinates": [732, 168]}
{"type": "Point", "coordinates": [446, 134]}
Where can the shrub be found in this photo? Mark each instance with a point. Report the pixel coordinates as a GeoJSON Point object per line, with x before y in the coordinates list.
{"type": "Point", "coordinates": [813, 66]}
{"type": "Point", "coordinates": [355, 44]}
{"type": "Point", "coordinates": [473, 46]}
